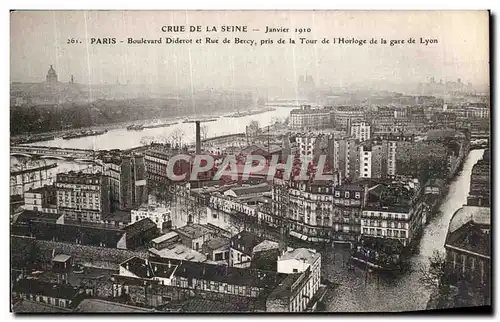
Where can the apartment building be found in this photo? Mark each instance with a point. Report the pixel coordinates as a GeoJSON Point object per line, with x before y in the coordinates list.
{"type": "Point", "coordinates": [307, 117]}
{"type": "Point", "coordinates": [160, 215]}
{"type": "Point", "coordinates": [82, 196]}
{"type": "Point", "coordinates": [393, 211]}
{"type": "Point", "coordinates": [127, 179]}
{"type": "Point", "coordinates": [43, 199]}
{"type": "Point", "coordinates": [361, 131]}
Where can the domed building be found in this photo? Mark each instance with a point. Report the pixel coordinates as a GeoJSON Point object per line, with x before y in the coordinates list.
{"type": "Point", "coordinates": [51, 76]}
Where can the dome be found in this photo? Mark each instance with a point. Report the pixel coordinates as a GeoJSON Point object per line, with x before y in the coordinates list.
{"type": "Point", "coordinates": [51, 76]}
{"type": "Point", "coordinates": [477, 215]}
{"type": "Point", "coordinates": [51, 71]}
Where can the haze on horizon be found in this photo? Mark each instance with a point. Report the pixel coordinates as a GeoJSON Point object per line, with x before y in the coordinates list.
{"type": "Point", "coordinates": [38, 39]}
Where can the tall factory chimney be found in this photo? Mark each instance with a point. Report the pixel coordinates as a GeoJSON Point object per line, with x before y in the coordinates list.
{"type": "Point", "coordinates": [198, 138]}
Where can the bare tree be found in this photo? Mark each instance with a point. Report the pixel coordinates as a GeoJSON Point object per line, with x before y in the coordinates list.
{"type": "Point", "coordinates": [176, 137]}
{"type": "Point", "coordinates": [192, 209]}
{"type": "Point", "coordinates": [433, 273]}
{"type": "Point", "coordinates": [146, 140]}
{"type": "Point", "coordinates": [254, 125]}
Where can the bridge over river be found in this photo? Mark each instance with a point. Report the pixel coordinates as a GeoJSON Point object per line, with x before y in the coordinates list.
{"type": "Point", "coordinates": [45, 152]}
{"type": "Point", "coordinates": [68, 154]}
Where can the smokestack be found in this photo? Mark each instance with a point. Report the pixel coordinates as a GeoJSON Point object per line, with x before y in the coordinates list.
{"type": "Point", "coordinates": [198, 138]}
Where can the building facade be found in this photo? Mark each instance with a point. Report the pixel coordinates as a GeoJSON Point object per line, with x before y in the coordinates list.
{"type": "Point", "coordinates": [82, 196]}
{"type": "Point", "coordinates": [468, 247]}
{"type": "Point", "coordinates": [393, 211]}
{"type": "Point", "coordinates": [296, 294]}
{"type": "Point", "coordinates": [160, 215]}
{"type": "Point", "coordinates": [345, 115]}
{"type": "Point", "coordinates": [314, 213]}
{"type": "Point", "coordinates": [306, 117]}
{"type": "Point", "coordinates": [361, 131]}
{"type": "Point", "coordinates": [43, 199]}
{"type": "Point", "coordinates": [127, 176]}
{"type": "Point", "coordinates": [346, 157]}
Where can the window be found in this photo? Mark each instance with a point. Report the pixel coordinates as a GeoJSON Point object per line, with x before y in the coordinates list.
{"type": "Point", "coordinates": [295, 270]}
{"type": "Point", "coordinates": [337, 194]}
{"type": "Point", "coordinates": [347, 194]}
{"type": "Point", "coordinates": [357, 195]}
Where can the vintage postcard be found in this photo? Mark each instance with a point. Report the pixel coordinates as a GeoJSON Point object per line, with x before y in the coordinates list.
{"type": "Point", "coordinates": [249, 161]}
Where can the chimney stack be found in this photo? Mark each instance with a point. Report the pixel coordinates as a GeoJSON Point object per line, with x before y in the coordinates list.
{"type": "Point", "coordinates": [198, 138]}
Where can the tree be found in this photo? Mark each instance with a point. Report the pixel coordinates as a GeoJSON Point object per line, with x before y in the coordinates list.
{"type": "Point", "coordinates": [433, 274]}
{"type": "Point", "coordinates": [176, 137]}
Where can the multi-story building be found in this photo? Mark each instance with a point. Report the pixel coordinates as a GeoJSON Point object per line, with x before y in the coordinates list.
{"type": "Point", "coordinates": [308, 144]}
{"type": "Point", "coordinates": [245, 247]}
{"type": "Point", "coordinates": [311, 212]}
{"type": "Point", "coordinates": [298, 261]}
{"type": "Point", "coordinates": [382, 120]}
{"type": "Point", "coordinates": [307, 117]}
{"type": "Point", "coordinates": [241, 248]}
{"type": "Point", "coordinates": [160, 215]}
{"type": "Point", "coordinates": [342, 115]}
{"type": "Point", "coordinates": [314, 145]}
{"type": "Point", "coordinates": [468, 247]}
{"type": "Point", "coordinates": [161, 279]}
{"type": "Point", "coordinates": [82, 196]}
{"type": "Point", "coordinates": [348, 200]}
{"type": "Point", "coordinates": [156, 281]}
{"type": "Point", "coordinates": [127, 176]}
{"type": "Point", "coordinates": [479, 192]}
{"type": "Point", "coordinates": [156, 160]}
{"type": "Point", "coordinates": [195, 235]}
{"type": "Point", "coordinates": [361, 131]}
{"type": "Point", "coordinates": [393, 211]}
{"type": "Point", "coordinates": [43, 199]}
{"type": "Point", "coordinates": [481, 111]}
{"type": "Point", "coordinates": [346, 157]}
{"type": "Point", "coordinates": [391, 157]}
{"type": "Point", "coordinates": [373, 161]}
{"type": "Point", "coordinates": [50, 294]}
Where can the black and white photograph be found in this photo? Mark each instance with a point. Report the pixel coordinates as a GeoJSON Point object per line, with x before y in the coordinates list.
{"type": "Point", "coordinates": [250, 161]}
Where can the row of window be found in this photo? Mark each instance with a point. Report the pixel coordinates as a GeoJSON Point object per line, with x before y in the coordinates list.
{"type": "Point", "coordinates": [388, 232]}
{"type": "Point", "coordinates": [45, 299]}
{"type": "Point", "coordinates": [218, 287]}
{"type": "Point", "coordinates": [384, 215]}
{"type": "Point", "coordinates": [383, 224]}
{"type": "Point", "coordinates": [321, 232]}
{"type": "Point", "coordinates": [347, 194]}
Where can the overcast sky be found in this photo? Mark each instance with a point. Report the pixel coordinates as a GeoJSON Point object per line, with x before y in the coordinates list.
{"type": "Point", "coordinates": [39, 39]}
